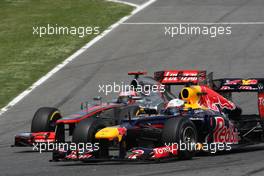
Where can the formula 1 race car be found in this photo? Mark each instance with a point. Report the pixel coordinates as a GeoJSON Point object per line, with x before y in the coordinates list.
{"type": "Point", "coordinates": [47, 119]}
{"type": "Point", "coordinates": [130, 103]}
{"type": "Point", "coordinates": [200, 118]}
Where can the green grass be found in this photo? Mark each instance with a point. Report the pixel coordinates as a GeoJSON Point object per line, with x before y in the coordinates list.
{"type": "Point", "coordinates": [25, 57]}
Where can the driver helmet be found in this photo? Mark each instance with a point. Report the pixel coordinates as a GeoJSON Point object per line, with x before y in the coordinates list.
{"type": "Point", "coordinates": [175, 103]}
{"type": "Point", "coordinates": [174, 106]}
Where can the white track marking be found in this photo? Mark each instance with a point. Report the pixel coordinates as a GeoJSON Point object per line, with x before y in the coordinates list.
{"type": "Point", "coordinates": [124, 2]}
{"type": "Point", "coordinates": [198, 23]}
{"type": "Point", "coordinates": [73, 56]}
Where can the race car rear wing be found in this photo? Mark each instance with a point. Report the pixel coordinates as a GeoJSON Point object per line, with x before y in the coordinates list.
{"type": "Point", "coordinates": [137, 73]}
{"type": "Point", "coordinates": [229, 85]}
{"type": "Point", "coordinates": [181, 77]}
{"type": "Point", "coordinates": [239, 85]}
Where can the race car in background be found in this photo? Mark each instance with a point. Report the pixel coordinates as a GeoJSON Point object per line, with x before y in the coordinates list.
{"type": "Point", "coordinates": [47, 120]}
{"type": "Point", "coordinates": [127, 105]}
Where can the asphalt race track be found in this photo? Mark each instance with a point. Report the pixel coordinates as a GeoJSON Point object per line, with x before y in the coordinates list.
{"type": "Point", "coordinates": [133, 47]}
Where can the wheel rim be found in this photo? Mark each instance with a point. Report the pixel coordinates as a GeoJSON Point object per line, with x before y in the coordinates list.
{"type": "Point", "coordinates": [188, 135]}
{"type": "Point", "coordinates": [189, 138]}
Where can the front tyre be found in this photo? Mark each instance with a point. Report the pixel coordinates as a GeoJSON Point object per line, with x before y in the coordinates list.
{"type": "Point", "coordinates": [44, 120]}
{"type": "Point", "coordinates": [181, 130]}
{"type": "Point", "coordinates": [85, 132]}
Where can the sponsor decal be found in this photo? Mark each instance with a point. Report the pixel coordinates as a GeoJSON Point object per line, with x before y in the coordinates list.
{"type": "Point", "coordinates": [225, 88]}
{"type": "Point", "coordinates": [136, 154]}
{"type": "Point", "coordinates": [182, 76]}
{"type": "Point", "coordinates": [43, 140]}
{"type": "Point", "coordinates": [260, 86]}
{"type": "Point", "coordinates": [261, 104]}
{"type": "Point", "coordinates": [213, 100]}
{"type": "Point", "coordinates": [247, 88]}
{"type": "Point", "coordinates": [76, 155]}
{"type": "Point", "coordinates": [241, 82]}
{"type": "Point", "coordinates": [261, 101]}
{"type": "Point", "coordinates": [225, 134]}
{"type": "Point", "coordinates": [232, 82]}
{"type": "Point", "coordinates": [249, 82]}
{"type": "Point", "coordinates": [162, 152]}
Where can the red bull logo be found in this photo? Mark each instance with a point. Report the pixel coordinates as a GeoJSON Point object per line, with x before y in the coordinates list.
{"type": "Point", "coordinates": [212, 99]}
{"type": "Point", "coordinates": [249, 82]}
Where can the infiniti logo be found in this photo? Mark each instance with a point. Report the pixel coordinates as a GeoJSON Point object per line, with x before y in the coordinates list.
{"type": "Point", "coordinates": [260, 86]}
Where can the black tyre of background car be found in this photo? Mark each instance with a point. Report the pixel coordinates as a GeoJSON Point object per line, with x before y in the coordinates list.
{"type": "Point", "coordinates": [44, 119]}
{"type": "Point", "coordinates": [176, 130]}
{"type": "Point", "coordinates": [85, 131]}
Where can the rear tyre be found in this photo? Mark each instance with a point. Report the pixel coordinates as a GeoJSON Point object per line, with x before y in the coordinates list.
{"type": "Point", "coordinates": [45, 119]}
{"type": "Point", "coordinates": [180, 130]}
{"type": "Point", "coordinates": [85, 132]}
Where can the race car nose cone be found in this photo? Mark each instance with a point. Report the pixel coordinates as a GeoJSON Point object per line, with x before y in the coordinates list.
{"type": "Point", "coordinates": [110, 133]}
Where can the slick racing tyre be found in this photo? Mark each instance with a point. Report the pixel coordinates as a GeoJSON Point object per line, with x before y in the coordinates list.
{"type": "Point", "coordinates": [85, 131]}
{"type": "Point", "coordinates": [45, 119]}
{"type": "Point", "coordinates": [180, 130]}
